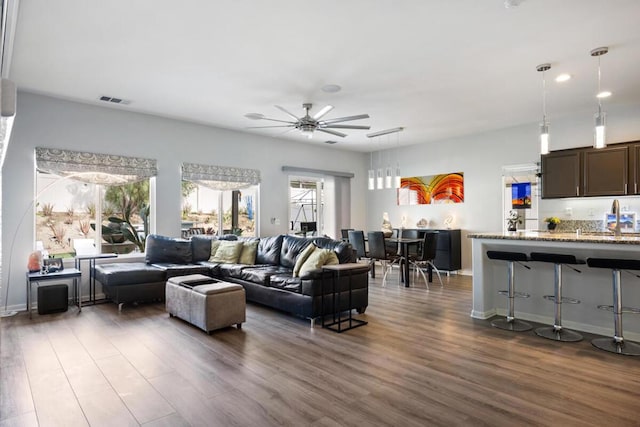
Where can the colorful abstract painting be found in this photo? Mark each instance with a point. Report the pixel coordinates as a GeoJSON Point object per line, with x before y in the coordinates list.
{"type": "Point", "coordinates": [426, 190]}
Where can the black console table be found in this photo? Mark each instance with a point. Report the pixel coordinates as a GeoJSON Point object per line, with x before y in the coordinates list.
{"type": "Point", "coordinates": [67, 274]}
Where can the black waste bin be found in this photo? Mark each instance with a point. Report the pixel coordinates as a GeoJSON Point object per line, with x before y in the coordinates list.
{"type": "Point", "coordinates": [53, 298]}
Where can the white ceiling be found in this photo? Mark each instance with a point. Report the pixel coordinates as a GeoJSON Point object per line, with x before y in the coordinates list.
{"type": "Point", "coordinates": [438, 68]}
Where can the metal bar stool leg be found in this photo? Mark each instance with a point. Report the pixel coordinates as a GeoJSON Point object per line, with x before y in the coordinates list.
{"type": "Point", "coordinates": [557, 332]}
{"type": "Point", "coordinates": [510, 323]}
{"type": "Point", "coordinates": [617, 344]}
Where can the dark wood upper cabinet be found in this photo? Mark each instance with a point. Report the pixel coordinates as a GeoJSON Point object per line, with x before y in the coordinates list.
{"type": "Point", "coordinates": [605, 171]}
{"type": "Point", "coordinates": [578, 172]}
{"type": "Point", "coordinates": [634, 168]}
{"type": "Point", "coordinates": [561, 174]}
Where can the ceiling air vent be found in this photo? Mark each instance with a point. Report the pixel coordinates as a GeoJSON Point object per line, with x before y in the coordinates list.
{"type": "Point", "coordinates": [330, 142]}
{"type": "Point", "coordinates": [114, 100]}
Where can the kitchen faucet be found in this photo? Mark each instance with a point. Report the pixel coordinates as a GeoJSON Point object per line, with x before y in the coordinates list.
{"type": "Point", "coordinates": [615, 209]}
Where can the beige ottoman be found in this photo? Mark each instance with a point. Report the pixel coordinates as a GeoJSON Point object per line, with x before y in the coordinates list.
{"type": "Point", "coordinates": [205, 302]}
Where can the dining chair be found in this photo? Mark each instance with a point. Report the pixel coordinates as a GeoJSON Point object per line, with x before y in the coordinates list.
{"type": "Point", "coordinates": [378, 252]}
{"type": "Point", "coordinates": [356, 238]}
{"type": "Point", "coordinates": [344, 232]}
{"type": "Point", "coordinates": [426, 256]}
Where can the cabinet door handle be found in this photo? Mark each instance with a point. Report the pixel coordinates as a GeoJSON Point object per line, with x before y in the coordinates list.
{"type": "Point", "coordinates": [635, 187]}
{"type": "Point", "coordinates": [577, 190]}
{"type": "Point", "coordinates": [625, 189]}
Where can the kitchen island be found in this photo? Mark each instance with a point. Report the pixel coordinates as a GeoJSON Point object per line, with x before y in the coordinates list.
{"type": "Point", "coordinates": [592, 286]}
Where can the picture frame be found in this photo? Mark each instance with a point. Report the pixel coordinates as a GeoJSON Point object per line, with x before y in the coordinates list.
{"type": "Point", "coordinates": [51, 265]}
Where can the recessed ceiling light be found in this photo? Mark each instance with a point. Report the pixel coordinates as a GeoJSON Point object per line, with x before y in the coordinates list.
{"type": "Point", "coordinates": [254, 116]}
{"type": "Point", "coordinates": [603, 94]}
{"type": "Point", "coordinates": [331, 88]}
{"type": "Point", "coordinates": [563, 77]}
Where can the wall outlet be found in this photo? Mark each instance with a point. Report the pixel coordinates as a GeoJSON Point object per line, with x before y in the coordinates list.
{"type": "Point", "coordinates": [568, 212]}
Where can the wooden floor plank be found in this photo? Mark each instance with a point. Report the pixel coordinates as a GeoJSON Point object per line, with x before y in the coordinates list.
{"type": "Point", "coordinates": [421, 360]}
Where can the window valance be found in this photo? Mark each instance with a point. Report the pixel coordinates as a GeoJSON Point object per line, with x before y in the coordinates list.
{"type": "Point", "coordinates": [220, 177]}
{"type": "Point", "coordinates": [105, 169]}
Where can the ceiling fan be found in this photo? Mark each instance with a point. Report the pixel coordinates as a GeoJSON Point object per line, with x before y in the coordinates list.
{"type": "Point", "coordinates": [309, 124]}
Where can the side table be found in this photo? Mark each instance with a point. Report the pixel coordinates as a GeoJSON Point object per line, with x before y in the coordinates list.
{"type": "Point", "coordinates": [69, 273]}
{"type": "Point", "coordinates": [92, 276]}
{"type": "Point", "coordinates": [337, 271]}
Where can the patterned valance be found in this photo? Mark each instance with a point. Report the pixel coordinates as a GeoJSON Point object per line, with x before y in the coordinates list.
{"type": "Point", "coordinates": [220, 177]}
{"type": "Point", "coordinates": [105, 169]}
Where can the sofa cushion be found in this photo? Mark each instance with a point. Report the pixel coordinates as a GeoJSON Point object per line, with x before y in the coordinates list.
{"type": "Point", "coordinates": [214, 267]}
{"type": "Point", "coordinates": [302, 257]}
{"type": "Point", "coordinates": [201, 246]}
{"type": "Point", "coordinates": [269, 250]}
{"type": "Point", "coordinates": [317, 259]}
{"type": "Point", "coordinates": [291, 247]}
{"type": "Point", "coordinates": [285, 282]}
{"type": "Point", "coordinates": [126, 273]}
{"type": "Point", "coordinates": [343, 250]}
{"type": "Point", "coordinates": [160, 249]}
{"type": "Point", "coordinates": [228, 252]}
{"type": "Point", "coordinates": [261, 275]}
{"type": "Point", "coordinates": [249, 250]}
{"type": "Point", "coordinates": [215, 244]}
{"type": "Point", "coordinates": [231, 270]}
{"type": "Point", "coordinates": [173, 270]}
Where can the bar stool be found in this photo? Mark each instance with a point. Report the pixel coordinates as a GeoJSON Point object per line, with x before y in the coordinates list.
{"type": "Point", "coordinates": [510, 323]}
{"type": "Point", "coordinates": [617, 344]}
{"type": "Point", "coordinates": [557, 332]}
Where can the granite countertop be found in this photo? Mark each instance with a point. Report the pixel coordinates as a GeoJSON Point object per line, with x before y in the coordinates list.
{"type": "Point", "coordinates": [625, 239]}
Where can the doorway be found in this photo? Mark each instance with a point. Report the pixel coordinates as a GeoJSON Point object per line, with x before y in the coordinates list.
{"type": "Point", "coordinates": [306, 206]}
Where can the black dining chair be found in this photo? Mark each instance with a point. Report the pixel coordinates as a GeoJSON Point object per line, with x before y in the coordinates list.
{"type": "Point", "coordinates": [356, 238]}
{"type": "Point", "coordinates": [427, 254]}
{"type": "Point", "coordinates": [344, 233]}
{"type": "Point", "coordinates": [378, 252]}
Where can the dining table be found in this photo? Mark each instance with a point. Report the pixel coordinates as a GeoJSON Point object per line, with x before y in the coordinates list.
{"type": "Point", "coordinates": [405, 243]}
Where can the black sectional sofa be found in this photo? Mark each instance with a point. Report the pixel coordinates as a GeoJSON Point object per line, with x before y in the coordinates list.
{"type": "Point", "coordinates": [269, 281]}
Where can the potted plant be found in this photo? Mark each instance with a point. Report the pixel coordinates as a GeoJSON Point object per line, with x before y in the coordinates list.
{"type": "Point", "coordinates": [552, 222]}
{"type": "Point", "coordinates": [513, 220]}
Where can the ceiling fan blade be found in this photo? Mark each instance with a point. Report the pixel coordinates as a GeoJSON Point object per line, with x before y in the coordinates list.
{"type": "Point", "coordinates": [276, 120]}
{"type": "Point", "coordinates": [332, 132]}
{"type": "Point", "coordinates": [345, 119]}
{"type": "Point", "coordinates": [322, 112]}
{"type": "Point", "coordinates": [287, 113]}
{"type": "Point", "coordinates": [274, 126]}
{"type": "Point", "coordinates": [345, 127]}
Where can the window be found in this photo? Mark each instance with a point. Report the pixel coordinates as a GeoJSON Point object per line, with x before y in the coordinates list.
{"type": "Point", "coordinates": [219, 200]}
{"type": "Point", "coordinates": [76, 190]}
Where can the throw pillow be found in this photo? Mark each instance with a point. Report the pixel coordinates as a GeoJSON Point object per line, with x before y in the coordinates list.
{"type": "Point", "coordinates": [214, 248]}
{"type": "Point", "coordinates": [228, 252]}
{"type": "Point", "coordinates": [302, 257]}
{"type": "Point", "coordinates": [248, 254]}
{"type": "Point", "coordinates": [317, 259]}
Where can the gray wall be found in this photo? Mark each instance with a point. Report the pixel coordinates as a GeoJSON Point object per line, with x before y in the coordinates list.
{"type": "Point", "coordinates": [50, 122]}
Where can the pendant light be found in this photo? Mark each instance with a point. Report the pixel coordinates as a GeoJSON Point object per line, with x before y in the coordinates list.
{"type": "Point", "coordinates": [544, 126]}
{"type": "Point", "coordinates": [599, 135]}
{"type": "Point", "coordinates": [372, 173]}
{"type": "Point", "coordinates": [388, 178]}
{"type": "Point", "coordinates": [398, 176]}
{"type": "Point", "coordinates": [379, 178]}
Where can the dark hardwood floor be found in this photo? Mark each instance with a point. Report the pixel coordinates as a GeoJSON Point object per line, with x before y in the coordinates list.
{"type": "Point", "coordinates": [420, 361]}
